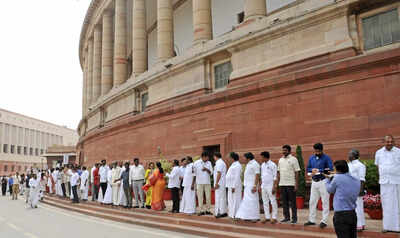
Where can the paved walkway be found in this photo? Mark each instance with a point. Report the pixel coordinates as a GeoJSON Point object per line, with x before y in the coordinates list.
{"type": "Point", "coordinates": [17, 220]}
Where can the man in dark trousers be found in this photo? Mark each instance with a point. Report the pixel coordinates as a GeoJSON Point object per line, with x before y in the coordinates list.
{"type": "Point", "coordinates": [345, 189]}
{"type": "Point", "coordinates": [3, 186]}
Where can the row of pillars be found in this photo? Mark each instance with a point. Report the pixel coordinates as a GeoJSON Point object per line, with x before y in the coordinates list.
{"type": "Point", "coordinates": [105, 64]}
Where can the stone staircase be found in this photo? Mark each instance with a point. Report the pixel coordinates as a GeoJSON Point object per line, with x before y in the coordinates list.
{"type": "Point", "coordinates": [207, 226]}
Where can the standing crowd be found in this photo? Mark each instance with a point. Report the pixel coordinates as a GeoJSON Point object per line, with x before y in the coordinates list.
{"type": "Point", "coordinates": [237, 192]}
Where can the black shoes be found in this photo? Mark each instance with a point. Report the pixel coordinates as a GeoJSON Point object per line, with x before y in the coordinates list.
{"type": "Point", "coordinates": [201, 213]}
{"type": "Point", "coordinates": [294, 221]}
{"type": "Point", "coordinates": [221, 215]}
{"type": "Point", "coordinates": [309, 223]}
{"type": "Point", "coordinates": [285, 220]}
{"type": "Point", "coordinates": [208, 213]}
{"type": "Point", "coordinates": [322, 225]}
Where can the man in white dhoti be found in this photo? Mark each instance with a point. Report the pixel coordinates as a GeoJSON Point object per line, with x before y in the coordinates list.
{"type": "Point", "coordinates": [122, 198]}
{"type": "Point", "coordinates": [34, 189]}
{"type": "Point", "coordinates": [250, 206]}
{"type": "Point", "coordinates": [115, 174]}
{"type": "Point", "coordinates": [188, 202]}
{"type": "Point", "coordinates": [107, 200]}
{"type": "Point", "coordinates": [268, 187]}
{"type": "Point", "coordinates": [103, 172]}
{"type": "Point", "coordinates": [358, 171]}
{"type": "Point", "coordinates": [234, 185]}
{"type": "Point", "coordinates": [219, 186]}
{"type": "Point", "coordinates": [92, 181]}
{"type": "Point", "coordinates": [84, 184]}
{"type": "Point", "coordinates": [388, 161]}
{"type": "Point", "coordinates": [202, 171]}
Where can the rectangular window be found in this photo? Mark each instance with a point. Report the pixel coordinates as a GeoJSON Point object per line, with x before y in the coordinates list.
{"type": "Point", "coordinates": [381, 29]}
{"type": "Point", "coordinates": [144, 100]}
{"type": "Point", "coordinates": [41, 151]}
{"type": "Point", "coordinates": [12, 168]}
{"type": "Point", "coordinates": [25, 150]}
{"type": "Point", "coordinates": [37, 152]}
{"type": "Point", "coordinates": [5, 168]}
{"type": "Point", "coordinates": [222, 72]}
{"type": "Point", "coordinates": [30, 151]}
{"type": "Point", "coordinates": [19, 149]}
{"type": "Point", "coordinates": [12, 149]}
{"type": "Point", "coordinates": [5, 148]}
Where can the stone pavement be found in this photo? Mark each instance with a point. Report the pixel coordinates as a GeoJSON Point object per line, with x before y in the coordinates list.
{"type": "Point", "coordinates": [207, 225]}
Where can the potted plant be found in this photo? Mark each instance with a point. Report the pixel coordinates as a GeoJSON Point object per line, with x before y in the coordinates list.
{"type": "Point", "coordinates": [373, 206]}
{"type": "Point", "coordinates": [301, 190]}
{"type": "Point", "coordinates": [371, 177]}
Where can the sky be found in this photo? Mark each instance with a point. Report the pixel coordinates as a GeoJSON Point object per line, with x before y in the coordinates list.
{"type": "Point", "coordinates": [40, 73]}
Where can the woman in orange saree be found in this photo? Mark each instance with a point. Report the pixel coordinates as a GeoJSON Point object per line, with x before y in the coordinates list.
{"type": "Point", "coordinates": [157, 182]}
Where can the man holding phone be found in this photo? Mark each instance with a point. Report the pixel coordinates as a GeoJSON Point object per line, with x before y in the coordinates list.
{"type": "Point", "coordinates": [318, 165]}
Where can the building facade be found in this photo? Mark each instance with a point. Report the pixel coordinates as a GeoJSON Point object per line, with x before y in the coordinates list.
{"type": "Point", "coordinates": [180, 76]}
{"type": "Point", "coordinates": [24, 141]}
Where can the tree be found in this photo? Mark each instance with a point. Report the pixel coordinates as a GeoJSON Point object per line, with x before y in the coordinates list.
{"type": "Point", "coordinates": [301, 190]}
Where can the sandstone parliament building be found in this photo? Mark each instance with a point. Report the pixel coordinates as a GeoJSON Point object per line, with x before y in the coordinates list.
{"type": "Point", "coordinates": [175, 77]}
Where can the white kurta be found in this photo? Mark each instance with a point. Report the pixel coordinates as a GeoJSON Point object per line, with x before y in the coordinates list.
{"type": "Point", "coordinates": [84, 184]}
{"type": "Point", "coordinates": [122, 198]}
{"type": "Point", "coordinates": [220, 193]}
{"type": "Point", "coordinates": [34, 192]}
{"type": "Point", "coordinates": [108, 196]}
{"type": "Point", "coordinates": [233, 181]}
{"type": "Point", "coordinates": [250, 206]}
{"type": "Point", "coordinates": [358, 171]}
{"type": "Point", "coordinates": [188, 202]}
{"type": "Point", "coordinates": [268, 178]}
{"type": "Point", "coordinates": [389, 180]}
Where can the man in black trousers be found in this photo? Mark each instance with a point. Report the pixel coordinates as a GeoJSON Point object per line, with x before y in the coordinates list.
{"type": "Point", "coordinates": [174, 184]}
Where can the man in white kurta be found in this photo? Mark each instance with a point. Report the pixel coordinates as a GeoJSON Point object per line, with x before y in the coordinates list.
{"type": "Point", "coordinates": [188, 202]}
{"type": "Point", "coordinates": [388, 161]}
{"type": "Point", "coordinates": [84, 184]}
{"type": "Point", "coordinates": [250, 207]}
{"type": "Point", "coordinates": [358, 171]}
{"type": "Point", "coordinates": [219, 186]}
{"type": "Point", "coordinates": [34, 190]}
{"type": "Point", "coordinates": [268, 187]}
{"type": "Point", "coordinates": [115, 174]}
{"type": "Point", "coordinates": [202, 170]}
{"type": "Point", "coordinates": [92, 181]}
{"type": "Point", "coordinates": [108, 195]}
{"type": "Point", "coordinates": [234, 185]}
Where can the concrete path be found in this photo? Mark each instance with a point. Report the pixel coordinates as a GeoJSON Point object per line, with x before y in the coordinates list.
{"type": "Point", "coordinates": [17, 220]}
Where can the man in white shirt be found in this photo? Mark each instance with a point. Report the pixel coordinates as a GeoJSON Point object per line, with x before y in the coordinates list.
{"type": "Point", "coordinates": [202, 171]}
{"type": "Point", "coordinates": [15, 186]}
{"type": "Point", "coordinates": [219, 186]}
{"type": "Point", "coordinates": [358, 171]}
{"type": "Point", "coordinates": [268, 187]}
{"type": "Point", "coordinates": [74, 184]}
{"type": "Point", "coordinates": [174, 184]}
{"type": "Point", "coordinates": [103, 172]}
{"type": "Point", "coordinates": [182, 170]}
{"type": "Point", "coordinates": [115, 174]}
{"type": "Point", "coordinates": [84, 184]}
{"type": "Point", "coordinates": [188, 203]}
{"type": "Point", "coordinates": [92, 181]}
{"type": "Point", "coordinates": [250, 206]}
{"type": "Point", "coordinates": [34, 190]}
{"type": "Point", "coordinates": [137, 173]}
{"type": "Point", "coordinates": [388, 161]}
{"type": "Point", "coordinates": [234, 185]}
{"type": "Point", "coordinates": [288, 180]}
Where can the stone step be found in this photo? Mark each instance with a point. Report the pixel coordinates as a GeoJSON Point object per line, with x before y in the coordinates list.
{"type": "Point", "coordinates": [204, 222]}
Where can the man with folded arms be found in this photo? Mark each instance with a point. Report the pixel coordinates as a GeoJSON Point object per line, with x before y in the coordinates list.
{"type": "Point", "coordinates": [388, 161]}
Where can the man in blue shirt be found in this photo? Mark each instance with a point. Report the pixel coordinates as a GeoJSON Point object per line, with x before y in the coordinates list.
{"type": "Point", "coordinates": [345, 189]}
{"type": "Point", "coordinates": [10, 183]}
{"type": "Point", "coordinates": [318, 164]}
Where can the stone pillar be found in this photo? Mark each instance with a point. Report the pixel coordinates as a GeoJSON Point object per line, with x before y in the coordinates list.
{"type": "Point", "coordinates": [97, 41]}
{"type": "Point", "coordinates": [139, 45]}
{"type": "Point", "coordinates": [202, 20]}
{"type": "Point", "coordinates": [165, 30]}
{"type": "Point", "coordinates": [84, 86]}
{"type": "Point", "coordinates": [254, 9]}
{"type": "Point", "coordinates": [120, 60]}
{"type": "Point", "coordinates": [90, 73]}
{"type": "Point", "coordinates": [107, 53]}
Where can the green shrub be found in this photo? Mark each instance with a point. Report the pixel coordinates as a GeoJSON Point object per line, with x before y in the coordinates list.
{"type": "Point", "coordinates": [166, 165]}
{"type": "Point", "coordinates": [301, 190]}
{"type": "Point", "coordinates": [371, 177]}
